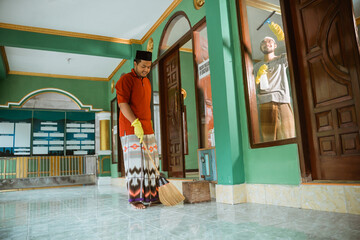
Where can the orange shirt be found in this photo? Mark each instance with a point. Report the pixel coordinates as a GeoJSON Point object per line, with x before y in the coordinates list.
{"type": "Point", "coordinates": [135, 91]}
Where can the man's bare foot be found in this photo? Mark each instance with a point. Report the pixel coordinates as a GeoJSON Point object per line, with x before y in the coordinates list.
{"type": "Point", "coordinates": [138, 205]}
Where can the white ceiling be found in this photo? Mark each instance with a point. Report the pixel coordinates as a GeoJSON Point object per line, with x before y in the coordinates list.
{"type": "Point", "coordinates": [48, 62]}
{"type": "Point", "coordinates": [125, 19]}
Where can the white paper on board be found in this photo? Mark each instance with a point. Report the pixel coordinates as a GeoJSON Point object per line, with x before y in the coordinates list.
{"type": "Point", "coordinates": [22, 134]}
{"type": "Point", "coordinates": [6, 141]}
{"type": "Point", "coordinates": [6, 128]}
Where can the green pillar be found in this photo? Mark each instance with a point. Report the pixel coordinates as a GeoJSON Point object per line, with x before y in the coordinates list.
{"type": "Point", "coordinates": [223, 41]}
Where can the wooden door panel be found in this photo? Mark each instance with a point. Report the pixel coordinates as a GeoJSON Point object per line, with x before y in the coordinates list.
{"type": "Point", "coordinates": [173, 113]}
{"type": "Point", "coordinates": [329, 62]}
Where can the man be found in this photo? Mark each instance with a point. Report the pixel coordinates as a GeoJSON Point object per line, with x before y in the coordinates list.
{"type": "Point", "coordinates": [133, 92]}
{"type": "Point", "coordinates": [276, 115]}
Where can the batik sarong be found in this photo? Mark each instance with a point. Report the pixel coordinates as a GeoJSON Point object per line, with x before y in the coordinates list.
{"type": "Point", "coordinates": [142, 182]}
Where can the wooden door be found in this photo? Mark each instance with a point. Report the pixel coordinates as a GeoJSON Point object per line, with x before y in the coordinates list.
{"type": "Point", "coordinates": [327, 57]}
{"type": "Point", "coordinates": [171, 108]}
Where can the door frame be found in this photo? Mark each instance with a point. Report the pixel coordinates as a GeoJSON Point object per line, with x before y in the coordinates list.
{"type": "Point", "coordinates": [175, 47]}
{"type": "Point", "coordinates": [163, 90]}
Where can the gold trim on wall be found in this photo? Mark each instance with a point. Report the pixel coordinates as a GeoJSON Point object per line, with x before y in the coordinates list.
{"type": "Point", "coordinates": [357, 21]}
{"type": "Point", "coordinates": [57, 76]}
{"type": "Point", "coordinates": [4, 57]}
{"type": "Point", "coordinates": [167, 12]}
{"type": "Point", "coordinates": [67, 33]}
{"type": "Point", "coordinates": [264, 6]}
{"type": "Point", "coordinates": [48, 92]}
{"type": "Point", "coordinates": [102, 164]}
{"type": "Point", "coordinates": [198, 4]}
{"type": "Point", "coordinates": [188, 50]}
{"type": "Point", "coordinates": [150, 45]}
{"type": "Point", "coordinates": [117, 69]}
{"type": "Point", "coordinates": [112, 86]}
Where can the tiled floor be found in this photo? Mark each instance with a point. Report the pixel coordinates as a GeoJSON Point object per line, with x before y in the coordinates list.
{"type": "Point", "coordinates": [102, 212]}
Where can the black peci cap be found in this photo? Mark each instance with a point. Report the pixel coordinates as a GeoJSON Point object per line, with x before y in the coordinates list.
{"type": "Point", "coordinates": [143, 55]}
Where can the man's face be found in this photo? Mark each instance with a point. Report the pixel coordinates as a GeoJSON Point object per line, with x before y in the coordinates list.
{"type": "Point", "coordinates": [267, 46]}
{"type": "Point", "coordinates": [142, 68]}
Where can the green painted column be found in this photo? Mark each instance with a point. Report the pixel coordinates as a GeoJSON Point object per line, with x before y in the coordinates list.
{"type": "Point", "coordinates": [229, 153]}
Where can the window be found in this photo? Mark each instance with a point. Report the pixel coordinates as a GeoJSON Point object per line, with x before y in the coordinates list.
{"type": "Point", "coordinates": [176, 29]}
{"type": "Point", "coordinates": [154, 77]}
{"type": "Point", "coordinates": [269, 97]}
{"type": "Point", "coordinates": [207, 133]}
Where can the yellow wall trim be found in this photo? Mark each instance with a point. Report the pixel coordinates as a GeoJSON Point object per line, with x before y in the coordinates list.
{"type": "Point", "coordinates": [358, 21]}
{"type": "Point", "coordinates": [188, 50]}
{"type": "Point", "coordinates": [57, 76]}
{"type": "Point", "coordinates": [167, 12]}
{"type": "Point", "coordinates": [117, 69]}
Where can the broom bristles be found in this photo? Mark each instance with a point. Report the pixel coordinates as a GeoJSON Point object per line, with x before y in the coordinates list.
{"type": "Point", "coordinates": [170, 195]}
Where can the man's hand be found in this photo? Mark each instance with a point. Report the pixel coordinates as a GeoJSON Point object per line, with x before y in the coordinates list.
{"type": "Point", "coordinates": [262, 70]}
{"type": "Point", "coordinates": [276, 29]}
{"type": "Point", "coordinates": [138, 130]}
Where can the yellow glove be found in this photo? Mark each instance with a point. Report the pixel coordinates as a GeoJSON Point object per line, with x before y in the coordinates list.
{"type": "Point", "coordinates": [262, 70]}
{"type": "Point", "coordinates": [138, 130]}
{"type": "Point", "coordinates": [276, 29]}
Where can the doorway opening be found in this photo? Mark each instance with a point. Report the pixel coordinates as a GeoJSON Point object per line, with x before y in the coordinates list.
{"type": "Point", "coordinates": [182, 101]}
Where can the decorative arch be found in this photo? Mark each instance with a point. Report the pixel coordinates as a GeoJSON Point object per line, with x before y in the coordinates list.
{"type": "Point", "coordinates": [176, 18]}
{"type": "Point", "coordinates": [38, 92]}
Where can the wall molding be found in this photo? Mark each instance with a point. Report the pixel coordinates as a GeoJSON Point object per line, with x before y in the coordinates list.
{"type": "Point", "coordinates": [48, 90]}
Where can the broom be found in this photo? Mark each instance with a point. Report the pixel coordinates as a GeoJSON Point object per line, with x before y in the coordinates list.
{"type": "Point", "coordinates": [168, 193]}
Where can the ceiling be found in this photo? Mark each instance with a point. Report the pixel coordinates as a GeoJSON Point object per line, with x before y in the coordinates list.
{"type": "Point", "coordinates": [124, 21]}
{"type": "Point", "coordinates": [118, 20]}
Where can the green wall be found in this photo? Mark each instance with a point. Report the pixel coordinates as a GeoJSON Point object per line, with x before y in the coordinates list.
{"type": "Point", "coordinates": [187, 83]}
{"type": "Point", "coordinates": [15, 87]}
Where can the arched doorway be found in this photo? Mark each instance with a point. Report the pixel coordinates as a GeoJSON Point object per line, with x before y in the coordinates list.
{"type": "Point", "coordinates": [184, 93]}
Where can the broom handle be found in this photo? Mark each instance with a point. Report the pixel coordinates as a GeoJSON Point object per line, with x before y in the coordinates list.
{"type": "Point", "coordinates": [152, 160]}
